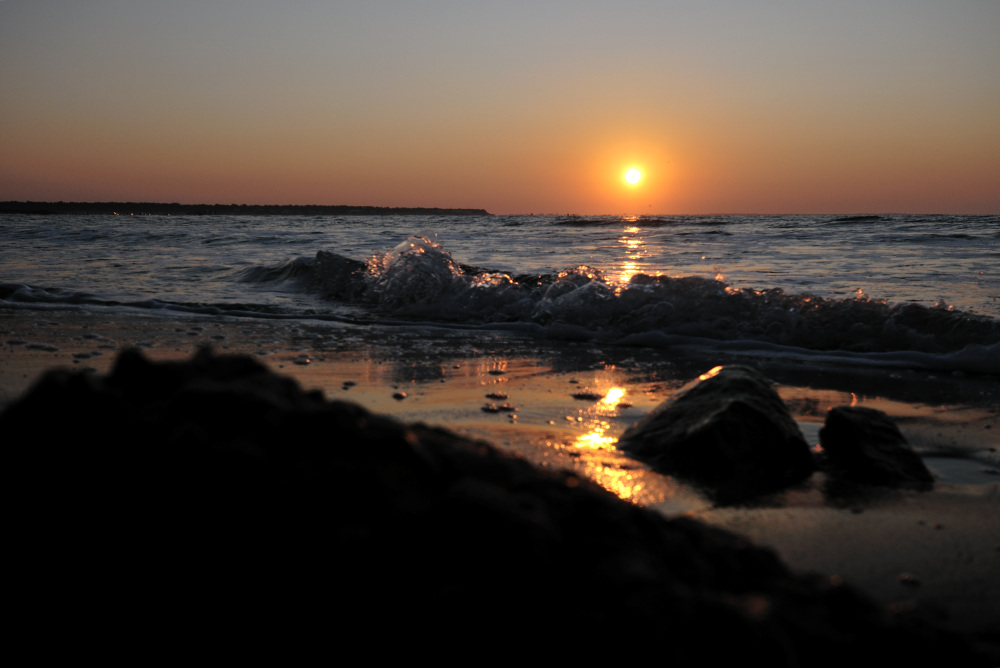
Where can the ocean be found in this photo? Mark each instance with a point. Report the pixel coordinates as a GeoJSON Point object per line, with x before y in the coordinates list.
{"type": "Point", "coordinates": [896, 311]}
{"type": "Point", "coordinates": [857, 284]}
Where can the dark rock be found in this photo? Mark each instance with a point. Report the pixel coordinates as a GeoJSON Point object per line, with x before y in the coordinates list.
{"type": "Point", "coordinates": [728, 431]}
{"type": "Point", "coordinates": [214, 500]}
{"type": "Point", "coordinates": [864, 445]}
{"type": "Point", "coordinates": [587, 395]}
{"type": "Point", "coordinates": [338, 277]}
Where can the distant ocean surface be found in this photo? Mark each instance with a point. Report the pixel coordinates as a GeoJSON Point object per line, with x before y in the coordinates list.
{"type": "Point", "coordinates": [921, 289]}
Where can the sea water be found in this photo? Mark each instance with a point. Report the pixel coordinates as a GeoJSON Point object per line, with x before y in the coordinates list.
{"type": "Point", "coordinates": [924, 289]}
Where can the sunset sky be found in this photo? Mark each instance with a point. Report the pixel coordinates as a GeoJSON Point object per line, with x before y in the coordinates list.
{"type": "Point", "coordinates": [516, 107]}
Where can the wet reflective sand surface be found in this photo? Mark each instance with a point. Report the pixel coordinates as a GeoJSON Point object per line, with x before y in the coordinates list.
{"type": "Point", "coordinates": [565, 407]}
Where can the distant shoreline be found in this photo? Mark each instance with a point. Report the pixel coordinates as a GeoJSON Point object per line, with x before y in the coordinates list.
{"type": "Point", "coordinates": [175, 209]}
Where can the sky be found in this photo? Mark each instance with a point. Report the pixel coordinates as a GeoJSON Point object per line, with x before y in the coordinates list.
{"type": "Point", "coordinates": [728, 106]}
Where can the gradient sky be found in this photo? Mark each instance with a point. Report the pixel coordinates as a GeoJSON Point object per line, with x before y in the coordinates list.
{"type": "Point", "coordinates": [796, 106]}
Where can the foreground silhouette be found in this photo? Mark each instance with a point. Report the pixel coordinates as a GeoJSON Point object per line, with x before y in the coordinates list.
{"type": "Point", "coordinates": [213, 498]}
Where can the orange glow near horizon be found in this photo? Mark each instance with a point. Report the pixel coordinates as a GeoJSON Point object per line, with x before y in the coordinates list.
{"type": "Point", "coordinates": [281, 108]}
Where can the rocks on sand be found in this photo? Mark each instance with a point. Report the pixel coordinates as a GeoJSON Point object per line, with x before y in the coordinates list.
{"type": "Point", "coordinates": [214, 501]}
{"type": "Point", "coordinates": [729, 432]}
{"type": "Point", "coordinates": [863, 445]}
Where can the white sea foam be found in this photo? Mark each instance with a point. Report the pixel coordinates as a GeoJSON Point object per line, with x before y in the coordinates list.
{"type": "Point", "coordinates": [865, 288]}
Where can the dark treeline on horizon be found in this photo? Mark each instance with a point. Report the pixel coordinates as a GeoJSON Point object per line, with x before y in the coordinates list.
{"type": "Point", "coordinates": [175, 209]}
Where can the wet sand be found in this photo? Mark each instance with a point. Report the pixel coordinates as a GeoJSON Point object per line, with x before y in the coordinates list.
{"type": "Point", "coordinates": [936, 552]}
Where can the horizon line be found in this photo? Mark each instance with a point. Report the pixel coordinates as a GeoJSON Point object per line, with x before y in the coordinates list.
{"type": "Point", "coordinates": [8, 206]}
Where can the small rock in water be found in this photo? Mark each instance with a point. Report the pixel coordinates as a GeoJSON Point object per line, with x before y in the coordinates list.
{"type": "Point", "coordinates": [399, 396]}
{"type": "Point", "coordinates": [727, 431]}
{"type": "Point", "coordinates": [42, 346]}
{"type": "Point", "coordinates": [587, 395]}
{"type": "Point", "coordinates": [496, 395]}
{"type": "Point", "coordinates": [864, 445]}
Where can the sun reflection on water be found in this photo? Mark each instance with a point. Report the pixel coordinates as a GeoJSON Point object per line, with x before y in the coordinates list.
{"type": "Point", "coordinates": [600, 460]}
{"type": "Point", "coordinates": [620, 482]}
{"type": "Point", "coordinates": [613, 396]}
{"type": "Point", "coordinates": [634, 251]}
{"type": "Point", "coordinates": [595, 438]}
{"type": "Point", "coordinates": [597, 422]}
{"type": "Point", "coordinates": [714, 371]}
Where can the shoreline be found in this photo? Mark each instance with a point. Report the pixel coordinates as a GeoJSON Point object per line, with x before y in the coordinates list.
{"type": "Point", "coordinates": [942, 415]}
{"type": "Point", "coordinates": [932, 551]}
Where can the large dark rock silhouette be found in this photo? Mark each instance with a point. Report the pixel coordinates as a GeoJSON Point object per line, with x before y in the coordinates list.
{"type": "Point", "coordinates": [212, 499]}
{"type": "Point", "coordinates": [863, 445]}
{"type": "Point", "coordinates": [728, 431]}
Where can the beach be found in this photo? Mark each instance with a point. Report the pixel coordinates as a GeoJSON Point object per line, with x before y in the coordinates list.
{"type": "Point", "coordinates": [541, 338]}
{"type": "Point", "coordinates": [669, 334]}
{"type": "Point", "coordinates": [934, 554]}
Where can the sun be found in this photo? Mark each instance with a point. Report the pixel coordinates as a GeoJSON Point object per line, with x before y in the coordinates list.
{"type": "Point", "coordinates": [633, 176]}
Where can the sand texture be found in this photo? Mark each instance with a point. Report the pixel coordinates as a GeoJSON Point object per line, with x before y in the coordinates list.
{"type": "Point", "coordinates": [244, 492]}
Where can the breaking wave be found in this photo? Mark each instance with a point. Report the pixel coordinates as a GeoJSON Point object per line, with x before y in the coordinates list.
{"type": "Point", "coordinates": [419, 280]}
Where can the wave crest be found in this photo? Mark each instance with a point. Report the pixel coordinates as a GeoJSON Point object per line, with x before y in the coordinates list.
{"type": "Point", "coordinates": [420, 279]}
{"type": "Point", "coordinates": [417, 271]}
